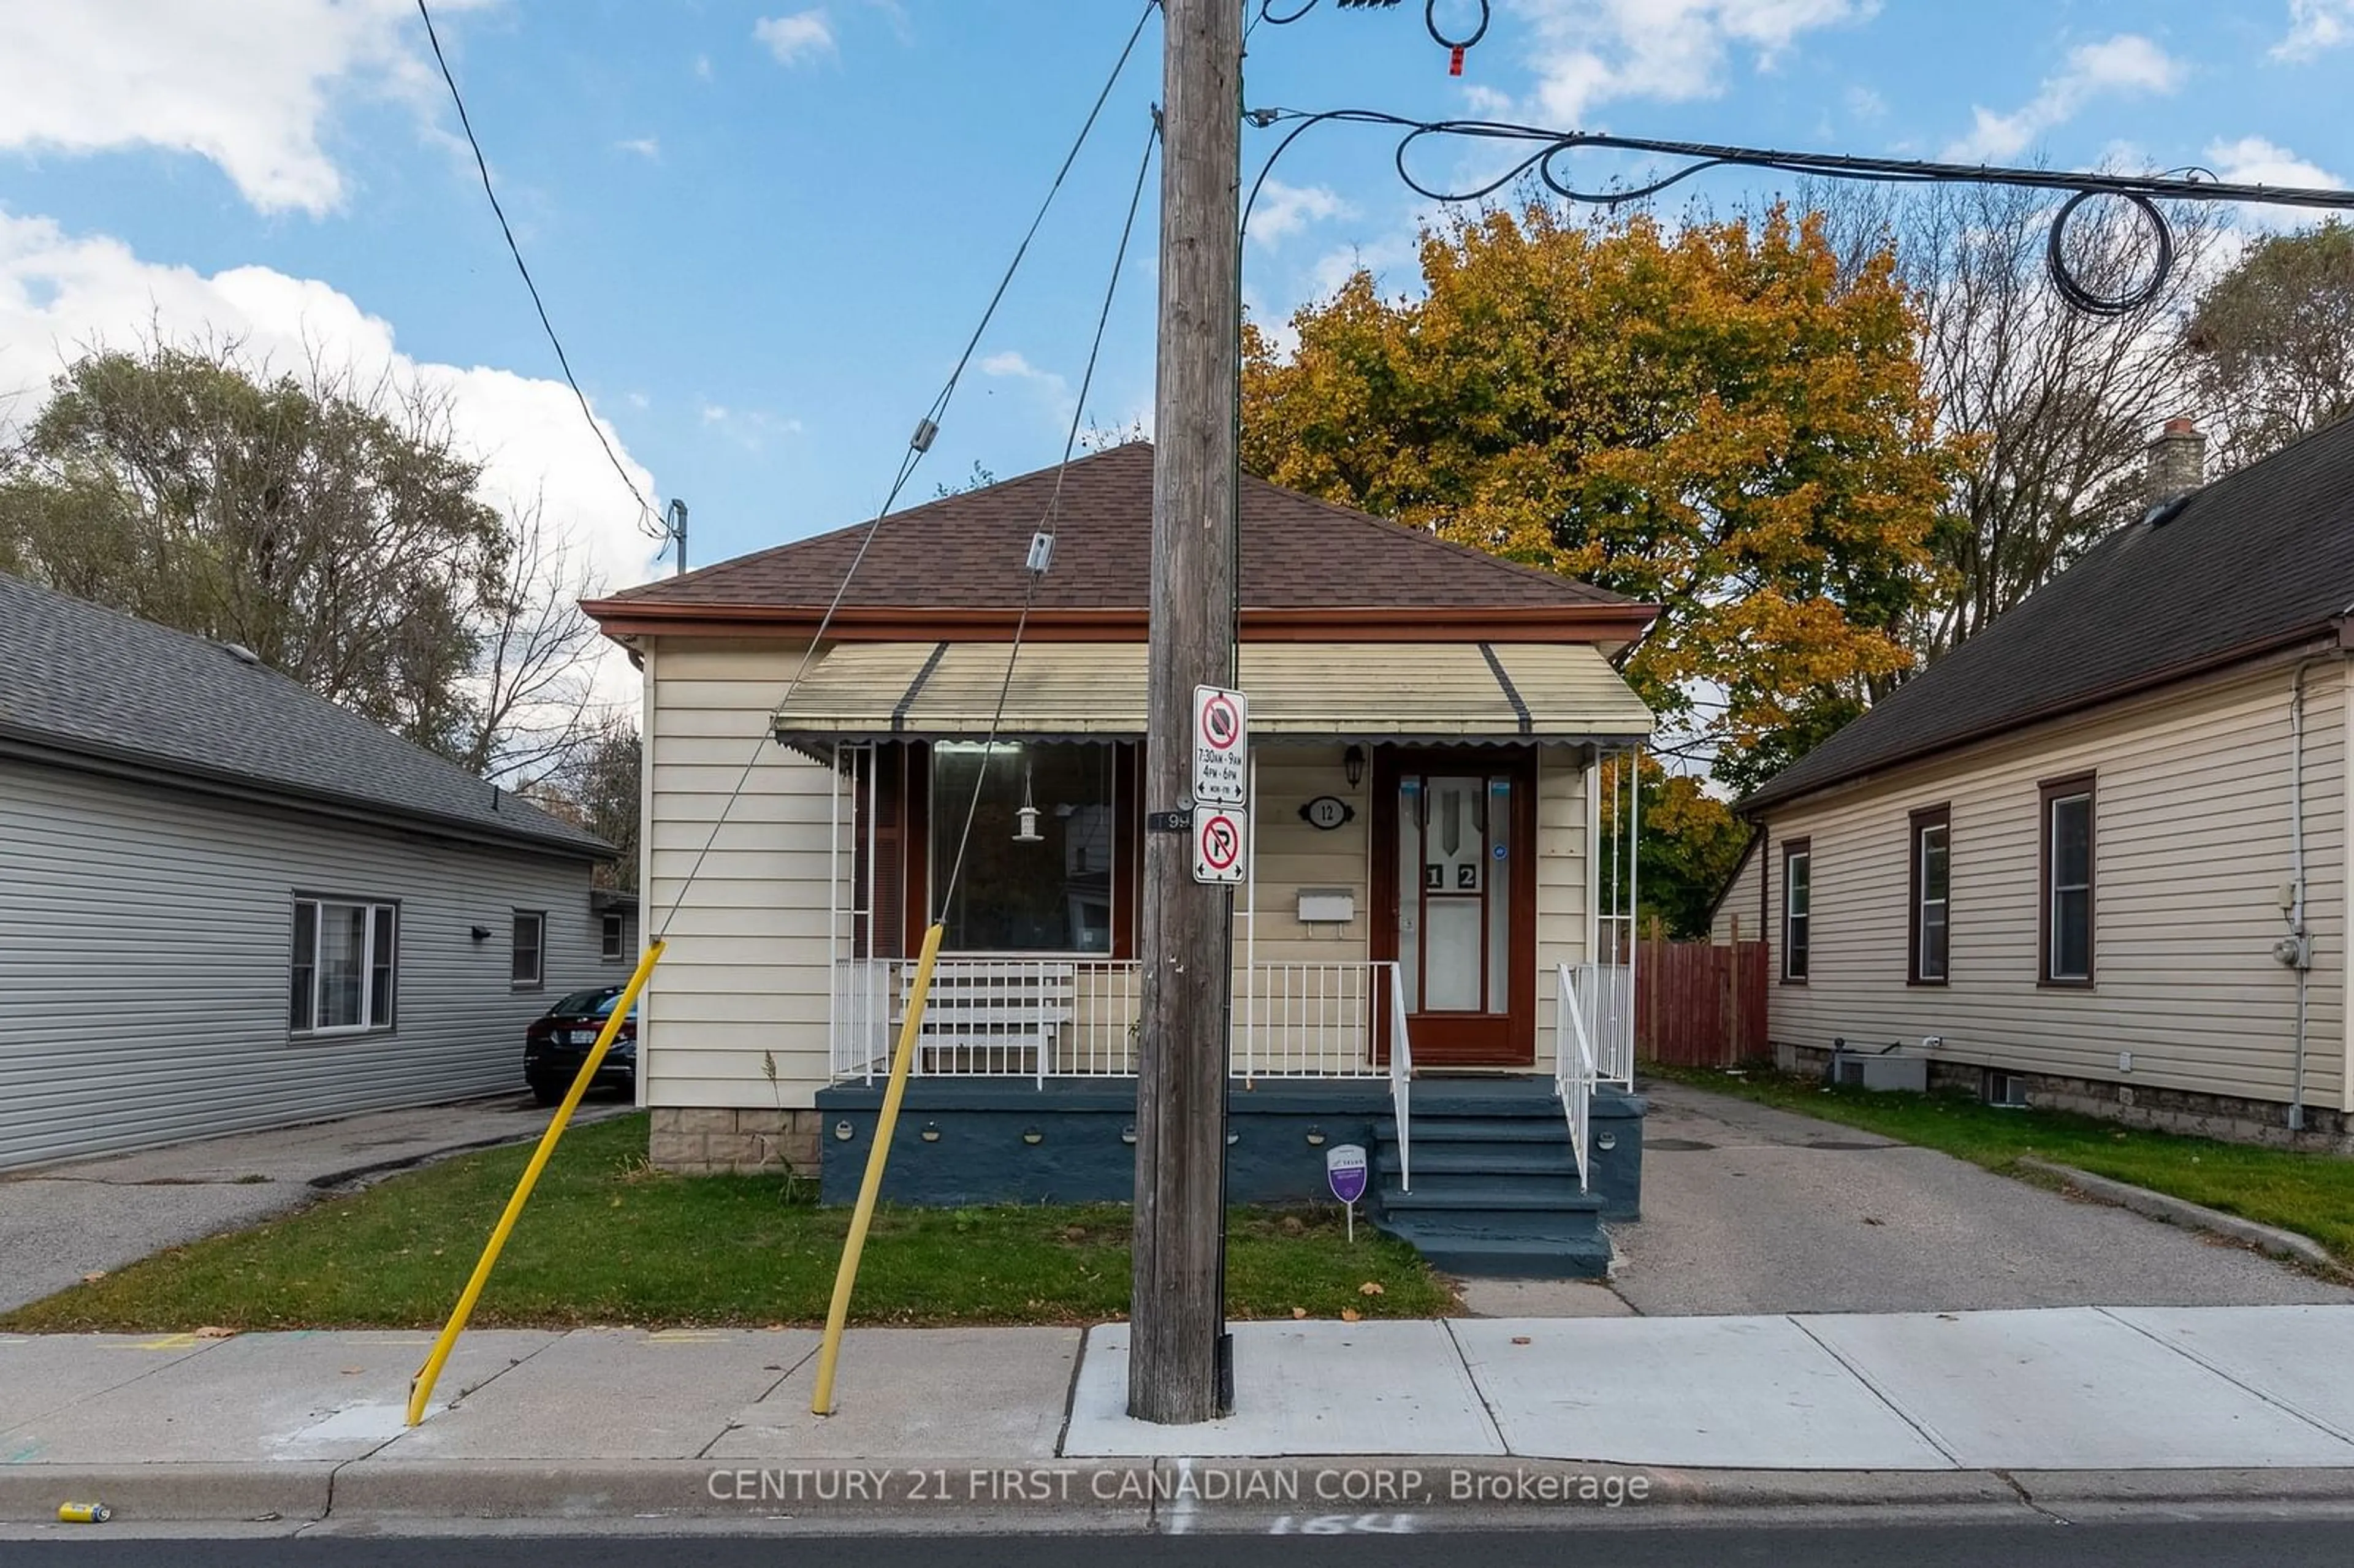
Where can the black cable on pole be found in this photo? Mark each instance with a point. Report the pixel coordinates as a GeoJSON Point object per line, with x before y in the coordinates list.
{"type": "Point", "coordinates": [647, 521]}
{"type": "Point", "coordinates": [2143, 192]}
{"type": "Point", "coordinates": [927, 429]}
{"type": "Point", "coordinates": [1048, 521]}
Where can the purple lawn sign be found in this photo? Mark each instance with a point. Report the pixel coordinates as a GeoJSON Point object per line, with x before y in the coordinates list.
{"type": "Point", "coordinates": [1344, 1168]}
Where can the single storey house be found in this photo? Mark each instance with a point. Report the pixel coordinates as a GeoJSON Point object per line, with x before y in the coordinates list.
{"type": "Point", "coordinates": [1432, 860]}
{"type": "Point", "coordinates": [2095, 857]}
{"type": "Point", "coordinates": [226, 903]}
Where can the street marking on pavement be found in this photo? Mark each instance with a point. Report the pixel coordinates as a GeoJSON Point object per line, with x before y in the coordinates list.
{"type": "Point", "coordinates": [688, 1336]}
{"type": "Point", "coordinates": [168, 1343]}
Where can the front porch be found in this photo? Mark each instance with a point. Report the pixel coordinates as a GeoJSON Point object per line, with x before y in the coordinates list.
{"type": "Point", "coordinates": [1496, 1189]}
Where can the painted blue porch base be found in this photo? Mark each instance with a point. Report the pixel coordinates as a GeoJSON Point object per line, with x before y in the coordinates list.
{"type": "Point", "coordinates": [1494, 1190]}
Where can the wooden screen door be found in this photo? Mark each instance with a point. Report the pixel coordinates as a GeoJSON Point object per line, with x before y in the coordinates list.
{"type": "Point", "coordinates": [1454, 900]}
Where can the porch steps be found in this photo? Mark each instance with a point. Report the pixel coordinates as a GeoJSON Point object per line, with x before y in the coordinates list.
{"type": "Point", "coordinates": [1495, 1188]}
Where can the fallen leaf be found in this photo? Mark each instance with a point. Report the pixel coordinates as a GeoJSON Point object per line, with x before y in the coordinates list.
{"type": "Point", "coordinates": [1371, 1288]}
{"type": "Point", "coordinates": [1870, 1221]}
{"type": "Point", "coordinates": [354, 1372]}
{"type": "Point", "coordinates": [209, 1332]}
{"type": "Point", "coordinates": [1300, 1311]}
{"type": "Point", "coordinates": [1521, 1338]}
{"type": "Point", "coordinates": [93, 1276]}
{"type": "Point", "coordinates": [1351, 1315]}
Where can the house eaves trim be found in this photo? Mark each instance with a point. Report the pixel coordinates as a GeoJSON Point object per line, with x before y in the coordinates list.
{"type": "Point", "coordinates": [2320, 638]}
{"type": "Point", "coordinates": [143, 768]}
{"type": "Point", "coordinates": [917, 623]}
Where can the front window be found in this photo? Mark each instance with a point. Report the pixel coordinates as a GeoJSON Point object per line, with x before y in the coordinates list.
{"type": "Point", "coordinates": [1932, 902]}
{"type": "Point", "coordinates": [342, 976]}
{"type": "Point", "coordinates": [2068, 882]}
{"type": "Point", "coordinates": [610, 944]}
{"type": "Point", "coordinates": [1038, 880]}
{"type": "Point", "coordinates": [1798, 900]}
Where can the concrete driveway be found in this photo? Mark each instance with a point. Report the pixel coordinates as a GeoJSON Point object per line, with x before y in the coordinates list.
{"type": "Point", "coordinates": [59, 1223]}
{"type": "Point", "coordinates": [1749, 1209]}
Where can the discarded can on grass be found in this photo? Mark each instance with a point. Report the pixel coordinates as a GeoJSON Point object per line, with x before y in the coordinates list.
{"type": "Point", "coordinates": [83, 1513]}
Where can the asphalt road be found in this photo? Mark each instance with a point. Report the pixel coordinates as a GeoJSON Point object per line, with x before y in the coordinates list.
{"type": "Point", "coordinates": [2168, 1544]}
{"type": "Point", "coordinates": [1749, 1209]}
{"type": "Point", "coordinates": [59, 1222]}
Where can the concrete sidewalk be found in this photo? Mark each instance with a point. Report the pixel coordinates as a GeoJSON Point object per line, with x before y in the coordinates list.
{"type": "Point", "coordinates": [2140, 1401]}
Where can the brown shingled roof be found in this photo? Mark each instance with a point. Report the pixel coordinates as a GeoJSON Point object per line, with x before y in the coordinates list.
{"type": "Point", "coordinates": [965, 553]}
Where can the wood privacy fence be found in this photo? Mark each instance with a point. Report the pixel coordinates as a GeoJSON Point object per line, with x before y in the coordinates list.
{"type": "Point", "coordinates": [1700, 1004]}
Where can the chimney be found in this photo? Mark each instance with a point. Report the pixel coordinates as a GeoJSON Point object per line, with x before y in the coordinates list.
{"type": "Point", "coordinates": [2177, 461]}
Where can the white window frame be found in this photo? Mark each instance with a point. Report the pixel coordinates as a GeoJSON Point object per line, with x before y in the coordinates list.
{"type": "Point", "coordinates": [539, 980]}
{"type": "Point", "coordinates": [383, 923]}
{"type": "Point", "coordinates": [1799, 853]}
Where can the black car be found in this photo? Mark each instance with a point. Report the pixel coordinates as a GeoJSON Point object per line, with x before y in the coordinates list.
{"type": "Point", "coordinates": [558, 1041]}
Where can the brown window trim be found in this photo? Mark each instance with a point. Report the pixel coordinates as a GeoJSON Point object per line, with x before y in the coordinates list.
{"type": "Point", "coordinates": [1939, 816]}
{"type": "Point", "coordinates": [2049, 790]}
{"type": "Point", "coordinates": [1791, 850]}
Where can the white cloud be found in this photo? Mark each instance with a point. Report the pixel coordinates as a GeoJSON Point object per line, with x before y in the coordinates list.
{"type": "Point", "coordinates": [804, 36]}
{"type": "Point", "coordinates": [1285, 209]}
{"type": "Point", "coordinates": [2127, 63]}
{"type": "Point", "coordinates": [245, 85]}
{"type": "Point", "coordinates": [2254, 161]}
{"type": "Point", "coordinates": [648, 147]}
{"type": "Point", "coordinates": [2314, 25]}
{"type": "Point", "coordinates": [1863, 103]}
{"type": "Point", "coordinates": [1589, 52]}
{"type": "Point", "coordinates": [703, 67]}
{"type": "Point", "coordinates": [61, 293]}
{"type": "Point", "coordinates": [1009, 365]}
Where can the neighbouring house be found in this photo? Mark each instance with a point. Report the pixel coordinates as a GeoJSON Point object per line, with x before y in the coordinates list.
{"type": "Point", "coordinates": [226, 903]}
{"type": "Point", "coordinates": [2095, 857]}
{"type": "Point", "coordinates": [1428, 873]}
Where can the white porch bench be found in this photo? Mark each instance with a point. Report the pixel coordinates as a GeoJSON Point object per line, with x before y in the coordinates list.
{"type": "Point", "coordinates": [991, 1016]}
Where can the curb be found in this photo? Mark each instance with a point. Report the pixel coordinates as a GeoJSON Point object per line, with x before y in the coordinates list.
{"type": "Point", "coordinates": [2181, 1211]}
{"type": "Point", "coordinates": [1332, 1496]}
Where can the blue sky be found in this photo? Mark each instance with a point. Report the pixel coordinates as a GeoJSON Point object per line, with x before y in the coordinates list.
{"type": "Point", "coordinates": [764, 230]}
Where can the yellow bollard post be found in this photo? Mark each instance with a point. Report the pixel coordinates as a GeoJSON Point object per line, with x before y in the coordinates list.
{"type": "Point", "coordinates": [420, 1387]}
{"type": "Point", "coordinates": [822, 1400]}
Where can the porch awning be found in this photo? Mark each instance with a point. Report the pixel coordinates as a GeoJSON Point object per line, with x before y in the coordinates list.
{"type": "Point", "coordinates": [1432, 693]}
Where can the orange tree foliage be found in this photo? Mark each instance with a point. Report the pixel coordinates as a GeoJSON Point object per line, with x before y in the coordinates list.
{"type": "Point", "coordinates": [1709, 418]}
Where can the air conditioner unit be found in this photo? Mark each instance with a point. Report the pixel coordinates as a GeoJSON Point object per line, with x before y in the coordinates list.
{"type": "Point", "coordinates": [1877, 1070]}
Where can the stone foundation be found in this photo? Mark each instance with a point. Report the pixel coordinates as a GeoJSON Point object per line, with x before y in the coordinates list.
{"type": "Point", "coordinates": [2231, 1117]}
{"type": "Point", "coordinates": [742, 1142]}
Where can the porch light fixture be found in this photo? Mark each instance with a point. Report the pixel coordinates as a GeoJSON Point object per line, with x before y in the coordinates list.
{"type": "Point", "coordinates": [1353, 764]}
{"type": "Point", "coordinates": [931, 1133]}
{"type": "Point", "coordinates": [1315, 1138]}
{"type": "Point", "coordinates": [1032, 1135]}
{"type": "Point", "coordinates": [1026, 816]}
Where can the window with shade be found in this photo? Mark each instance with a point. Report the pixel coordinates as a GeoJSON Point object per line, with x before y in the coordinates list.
{"type": "Point", "coordinates": [1930, 945]}
{"type": "Point", "coordinates": [343, 976]}
{"type": "Point", "coordinates": [2067, 877]}
{"type": "Point", "coordinates": [1798, 910]}
{"type": "Point", "coordinates": [1035, 825]}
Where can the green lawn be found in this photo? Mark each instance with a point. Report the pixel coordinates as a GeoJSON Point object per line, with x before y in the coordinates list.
{"type": "Point", "coordinates": [608, 1240]}
{"type": "Point", "coordinates": [2312, 1194]}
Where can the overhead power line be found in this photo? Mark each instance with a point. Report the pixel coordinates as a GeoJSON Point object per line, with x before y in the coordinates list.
{"type": "Point", "coordinates": [927, 430]}
{"type": "Point", "coordinates": [647, 521]}
{"type": "Point", "coordinates": [2142, 192]}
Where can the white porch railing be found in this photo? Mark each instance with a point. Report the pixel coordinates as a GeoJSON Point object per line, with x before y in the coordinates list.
{"type": "Point", "coordinates": [1573, 1070]}
{"type": "Point", "coordinates": [1041, 1017]}
{"type": "Point", "coordinates": [1401, 1076]}
{"type": "Point", "coordinates": [1606, 1006]}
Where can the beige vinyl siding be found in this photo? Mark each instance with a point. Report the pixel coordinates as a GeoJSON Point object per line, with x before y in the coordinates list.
{"type": "Point", "coordinates": [745, 978]}
{"type": "Point", "coordinates": [1563, 893]}
{"type": "Point", "coordinates": [1741, 900]}
{"type": "Point", "coordinates": [2191, 847]}
{"type": "Point", "coordinates": [745, 982]}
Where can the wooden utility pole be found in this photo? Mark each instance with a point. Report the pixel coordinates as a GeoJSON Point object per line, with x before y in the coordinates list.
{"type": "Point", "coordinates": [1177, 1315]}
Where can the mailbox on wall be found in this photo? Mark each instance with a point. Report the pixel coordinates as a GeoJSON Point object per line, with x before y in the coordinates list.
{"type": "Point", "coordinates": [1327, 905]}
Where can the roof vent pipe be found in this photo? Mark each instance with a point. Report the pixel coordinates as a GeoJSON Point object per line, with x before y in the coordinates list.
{"type": "Point", "coordinates": [2177, 461]}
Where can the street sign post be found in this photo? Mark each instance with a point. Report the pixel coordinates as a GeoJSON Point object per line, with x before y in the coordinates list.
{"type": "Point", "coordinates": [1344, 1168]}
{"type": "Point", "coordinates": [1221, 777]}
